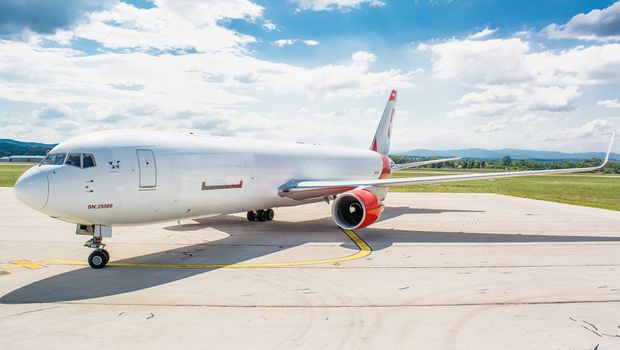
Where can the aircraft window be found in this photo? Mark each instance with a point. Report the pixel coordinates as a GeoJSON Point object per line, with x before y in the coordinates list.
{"type": "Point", "coordinates": [54, 159]}
{"type": "Point", "coordinates": [73, 160]}
{"type": "Point", "coordinates": [88, 160]}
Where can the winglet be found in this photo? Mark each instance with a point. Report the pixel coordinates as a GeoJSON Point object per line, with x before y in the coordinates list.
{"type": "Point", "coordinates": [611, 144]}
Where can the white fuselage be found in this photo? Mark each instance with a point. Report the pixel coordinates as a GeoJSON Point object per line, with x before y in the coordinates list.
{"type": "Point", "coordinates": [143, 177]}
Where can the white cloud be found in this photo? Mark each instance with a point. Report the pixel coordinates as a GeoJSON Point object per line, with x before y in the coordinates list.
{"type": "Point", "coordinates": [284, 42]}
{"type": "Point", "coordinates": [288, 42]}
{"type": "Point", "coordinates": [172, 25]}
{"type": "Point", "coordinates": [53, 111]}
{"type": "Point", "coordinates": [67, 125]}
{"type": "Point", "coordinates": [483, 33]}
{"type": "Point", "coordinates": [331, 81]}
{"type": "Point", "coordinates": [501, 124]}
{"type": "Point", "coordinates": [510, 76]}
{"type": "Point", "coordinates": [269, 26]}
{"type": "Point", "coordinates": [330, 5]}
{"type": "Point", "coordinates": [492, 126]}
{"type": "Point", "coordinates": [363, 58]}
{"type": "Point", "coordinates": [530, 118]}
{"type": "Point", "coordinates": [495, 100]}
{"type": "Point", "coordinates": [164, 68]}
{"type": "Point", "coordinates": [501, 61]}
{"type": "Point", "coordinates": [487, 61]}
{"type": "Point", "coordinates": [480, 110]}
{"type": "Point", "coordinates": [609, 103]}
{"type": "Point", "coordinates": [311, 42]}
{"type": "Point", "coordinates": [602, 25]}
{"type": "Point", "coordinates": [597, 128]}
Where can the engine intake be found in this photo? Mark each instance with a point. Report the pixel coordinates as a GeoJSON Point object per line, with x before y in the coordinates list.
{"type": "Point", "coordinates": [356, 209]}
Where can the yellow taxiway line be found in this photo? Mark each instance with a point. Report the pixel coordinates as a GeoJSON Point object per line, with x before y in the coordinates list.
{"type": "Point", "coordinates": [364, 251]}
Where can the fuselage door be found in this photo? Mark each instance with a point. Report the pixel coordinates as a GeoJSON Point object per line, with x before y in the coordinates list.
{"type": "Point", "coordinates": [148, 168]}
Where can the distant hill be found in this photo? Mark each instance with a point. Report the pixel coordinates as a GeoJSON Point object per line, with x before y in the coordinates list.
{"type": "Point", "coordinates": [480, 153]}
{"type": "Point", "coordinates": [10, 147]}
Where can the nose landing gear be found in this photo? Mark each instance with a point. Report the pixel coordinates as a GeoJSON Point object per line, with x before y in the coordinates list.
{"type": "Point", "coordinates": [99, 257]}
{"type": "Point", "coordinates": [261, 215]}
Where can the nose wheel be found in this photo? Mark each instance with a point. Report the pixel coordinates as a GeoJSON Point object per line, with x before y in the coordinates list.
{"type": "Point", "coordinates": [98, 259]}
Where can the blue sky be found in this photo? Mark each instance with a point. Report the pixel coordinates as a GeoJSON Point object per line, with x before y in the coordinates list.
{"type": "Point", "coordinates": [470, 73]}
{"type": "Point", "coordinates": [398, 24]}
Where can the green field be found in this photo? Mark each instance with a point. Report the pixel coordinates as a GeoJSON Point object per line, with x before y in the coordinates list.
{"type": "Point", "coordinates": [593, 190]}
{"type": "Point", "coordinates": [10, 172]}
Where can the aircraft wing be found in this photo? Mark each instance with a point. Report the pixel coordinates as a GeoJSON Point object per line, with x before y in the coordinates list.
{"type": "Point", "coordinates": [422, 163]}
{"type": "Point", "coordinates": [312, 189]}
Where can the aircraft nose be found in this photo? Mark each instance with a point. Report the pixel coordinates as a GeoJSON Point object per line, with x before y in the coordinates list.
{"type": "Point", "coordinates": [32, 188]}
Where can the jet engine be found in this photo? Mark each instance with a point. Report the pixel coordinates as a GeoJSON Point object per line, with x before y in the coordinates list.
{"type": "Point", "coordinates": [356, 209]}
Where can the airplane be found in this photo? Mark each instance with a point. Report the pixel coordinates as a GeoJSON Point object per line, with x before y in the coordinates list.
{"type": "Point", "coordinates": [121, 178]}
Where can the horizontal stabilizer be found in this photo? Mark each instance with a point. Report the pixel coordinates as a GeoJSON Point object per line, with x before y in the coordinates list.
{"type": "Point", "coordinates": [422, 163]}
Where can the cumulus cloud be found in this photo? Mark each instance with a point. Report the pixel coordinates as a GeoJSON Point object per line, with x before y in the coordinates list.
{"type": "Point", "coordinates": [53, 111]}
{"type": "Point", "coordinates": [495, 100]}
{"type": "Point", "coordinates": [488, 109]}
{"type": "Point", "coordinates": [609, 103]}
{"type": "Point", "coordinates": [330, 5]}
{"type": "Point", "coordinates": [596, 128]}
{"type": "Point", "coordinates": [511, 76]}
{"type": "Point", "coordinates": [345, 80]}
{"type": "Point", "coordinates": [45, 16]}
{"type": "Point", "coordinates": [171, 26]}
{"type": "Point", "coordinates": [67, 125]}
{"type": "Point", "coordinates": [166, 68]}
{"type": "Point", "coordinates": [530, 118]}
{"type": "Point", "coordinates": [500, 61]}
{"type": "Point", "coordinates": [603, 25]}
{"type": "Point", "coordinates": [492, 126]}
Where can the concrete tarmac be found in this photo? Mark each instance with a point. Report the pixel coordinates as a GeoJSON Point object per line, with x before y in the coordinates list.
{"type": "Point", "coordinates": [439, 271]}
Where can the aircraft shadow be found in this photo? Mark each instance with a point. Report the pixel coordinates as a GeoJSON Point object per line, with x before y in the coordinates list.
{"type": "Point", "coordinates": [246, 241]}
{"type": "Point", "coordinates": [393, 212]}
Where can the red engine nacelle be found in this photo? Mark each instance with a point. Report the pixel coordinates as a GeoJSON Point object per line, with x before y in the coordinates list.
{"type": "Point", "coordinates": [356, 209]}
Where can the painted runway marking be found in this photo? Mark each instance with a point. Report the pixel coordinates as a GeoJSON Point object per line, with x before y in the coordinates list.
{"type": "Point", "coordinates": [363, 251]}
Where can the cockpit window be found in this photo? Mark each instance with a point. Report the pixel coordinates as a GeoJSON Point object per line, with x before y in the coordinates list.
{"type": "Point", "coordinates": [74, 160]}
{"type": "Point", "coordinates": [88, 160]}
{"type": "Point", "coordinates": [54, 159]}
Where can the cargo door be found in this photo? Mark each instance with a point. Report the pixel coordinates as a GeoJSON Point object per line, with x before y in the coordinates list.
{"type": "Point", "coordinates": [147, 168]}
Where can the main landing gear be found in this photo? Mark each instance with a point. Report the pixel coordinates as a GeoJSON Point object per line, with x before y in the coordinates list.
{"type": "Point", "coordinates": [260, 215]}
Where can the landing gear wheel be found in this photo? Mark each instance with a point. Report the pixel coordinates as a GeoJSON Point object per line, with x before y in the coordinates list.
{"type": "Point", "coordinates": [107, 255]}
{"type": "Point", "coordinates": [97, 259]}
{"type": "Point", "coordinates": [269, 214]}
{"type": "Point", "coordinates": [260, 215]}
{"type": "Point", "coordinates": [251, 216]}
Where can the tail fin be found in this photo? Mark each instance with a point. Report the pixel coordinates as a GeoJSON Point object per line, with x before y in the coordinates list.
{"type": "Point", "coordinates": [381, 142]}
